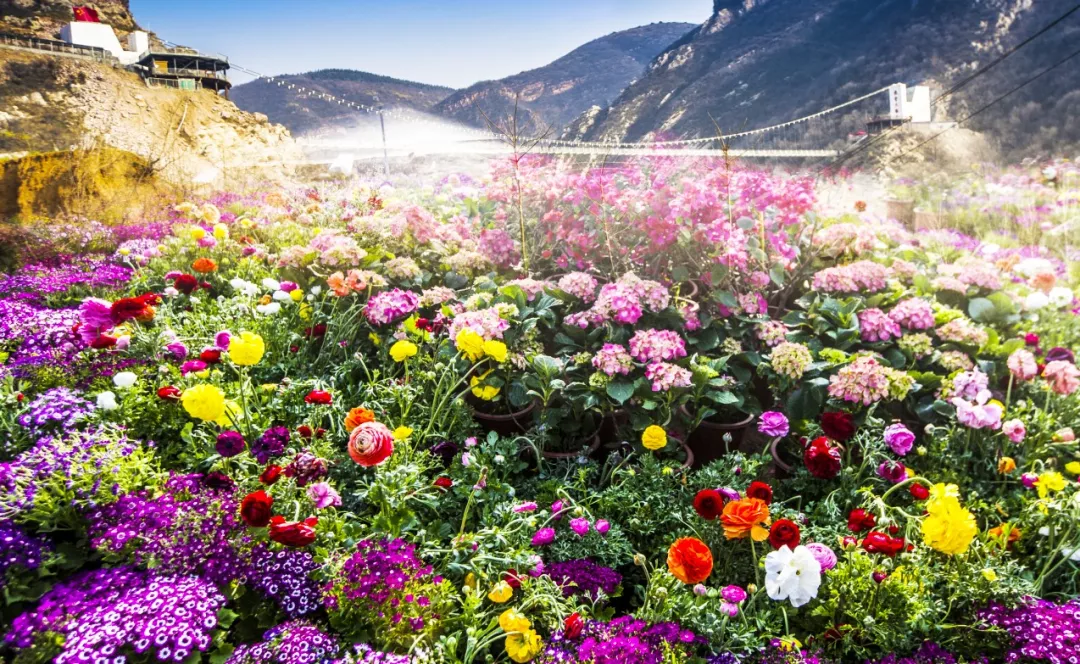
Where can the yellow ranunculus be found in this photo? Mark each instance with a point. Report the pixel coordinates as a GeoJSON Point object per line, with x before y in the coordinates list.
{"type": "Point", "coordinates": [246, 349]}
{"type": "Point", "coordinates": [990, 575]}
{"type": "Point", "coordinates": [481, 390]}
{"type": "Point", "coordinates": [948, 527]}
{"type": "Point", "coordinates": [496, 350]}
{"type": "Point", "coordinates": [502, 592]}
{"type": "Point", "coordinates": [305, 310]}
{"type": "Point", "coordinates": [1006, 465]}
{"type": "Point", "coordinates": [654, 438]}
{"type": "Point", "coordinates": [470, 344]}
{"type": "Point", "coordinates": [403, 350]}
{"type": "Point", "coordinates": [1049, 481]}
{"type": "Point", "coordinates": [204, 402]}
{"type": "Point", "coordinates": [523, 646]}
{"type": "Point", "coordinates": [375, 339]}
{"type": "Point", "coordinates": [246, 223]}
{"type": "Point", "coordinates": [221, 232]}
{"type": "Point", "coordinates": [512, 621]}
{"type": "Point", "coordinates": [296, 294]}
{"type": "Point", "coordinates": [231, 414]}
{"type": "Point", "coordinates": [402, 432]}
{"type": "Point", "coordinates": [1073, 467]}
{"type": "Point", "coordinates": [197, 233]}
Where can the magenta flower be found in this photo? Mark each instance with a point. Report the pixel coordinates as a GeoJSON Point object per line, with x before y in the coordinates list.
{"type": "Point", "coordinates": [823, 554]}
{"type": "Point", "coordinates": [525, 507]}
{"type": "Point", "coordinates": [543, 537]}
{"type": "Point", "coordinates": [556, 510]}
{"type": "Point", "coordinates": [893, 471]}
{"type": "Point", "coordinates": [899, 438]}
{"type": "Point", "coordinates": [222, 339]}
{"type": "Point", "coordinates": [323, 495]}
{"type": "Point", "coordinates": [580, 526]}
{"type": "Point", "coordinates": [773, 424]}
{"type": "Point", "coordinates": [1014, 430]}
{"type": "Point", "coordinates": [602, 526]}
{"type": "Point", "coordinates": [733, 594]}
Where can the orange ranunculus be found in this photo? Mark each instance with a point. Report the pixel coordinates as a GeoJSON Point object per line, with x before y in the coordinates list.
{"type": "Point", "coordinates": [358, 416]}
{"type": "Point", "coordinates": [336, 282]}
{"type": "Point", "coordinates": [748, 517]}
{"type": "Point", "coordinates": [204, 265]}
{"type": "Point", "coordinates": [998, 534]}
{"type": "Point", "coordinates": [689, 560]}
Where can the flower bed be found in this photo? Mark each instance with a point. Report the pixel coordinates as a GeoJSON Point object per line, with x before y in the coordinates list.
{"type": "Point", "coordinates": [653, 413]}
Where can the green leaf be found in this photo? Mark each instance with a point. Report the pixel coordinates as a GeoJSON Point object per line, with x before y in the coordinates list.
{"type": "Point", "coordinates": [776, 273]}
{"type": "Point", "coordinates": [745, 223]}
{"type": "Point", "coordinates": [546, 365]}
{"type": "Point", "coordinates": [620, 390]}
{"type": "Point", "coordinates": [727, 298]}
{"type": "Point", "coordinates": [981, 309]}
{"type": "Point", "coordinates": [680, 274]}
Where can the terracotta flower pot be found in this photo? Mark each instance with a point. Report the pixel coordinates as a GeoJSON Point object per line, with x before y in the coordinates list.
{"type": "Point", "coordinates": [509, 424]}
{"type": "Point", "coordinates": [707, 441]}
{"type": "Point", "coordinates": [610, 425]}
{"type": "Point", "coordinates": [782, 468]}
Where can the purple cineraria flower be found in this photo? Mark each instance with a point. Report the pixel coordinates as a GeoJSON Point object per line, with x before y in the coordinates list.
{"type": "Point", "coordinates": [584, 577]}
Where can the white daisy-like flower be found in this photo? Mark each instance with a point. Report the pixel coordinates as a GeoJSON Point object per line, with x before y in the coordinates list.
{"type": "Point", "coordinates": [792, 575]}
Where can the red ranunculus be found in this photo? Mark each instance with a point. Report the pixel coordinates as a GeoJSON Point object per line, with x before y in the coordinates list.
{"type": "Point", "coordinates": [918, 491]}
{"type": "Point", "coordinates": [186, 284]}
{"type": "Point", "coordinates": [838, 426]}
{"type": "Point", "coordinates": [169, 393]}
{"type": "Point", "coordinates": [304, 431]}
{"type": "Point", "coordinates": [128, 308]}
{"type": "Point", "coordinates": [256, 508]}
{"type": "Point", "coordinates": [784, 532]}
{"type": "Point", "coordinates": [210, 356]}
{"type": "Point", "coordinates": [512, 578]}
{"type": "Point", "coordinates": [822, 458]}
{"type": "Point", "coordinates": [270, 475]}
{"type": "Point", "coordinates": [444, 483]}
{"type": "Point", "coordinates": [315, 331]}
{"type": "Point", "coordinates": [878, 542]}
{"type": "Point", "coordinates": [320, 397]}
{"type": "Point", "coordinates": [859, 520]}
{"type": "Point", "coordinates": [761, 491]}
{"type": "Point", "coordinates": [103, 341]}
{"type": "Point", "coordinates": [573, 625]}
{"type": "Point", "coordinates": [293, 533]}
{"type": "Point", "coordinates": [708, 503]}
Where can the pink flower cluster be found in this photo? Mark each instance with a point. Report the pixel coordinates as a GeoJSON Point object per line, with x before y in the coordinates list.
{"type": "Point", "coordinates": [624, 301]}
{"type": "Point", "coordinates": [613, 359]}
{"type": "Point", "coordinates": [771, 333]}
{"type": "Point", "coordinates": [978, 414]}
{"type": "Point", "coordinates": [913, 314]}
{"type": "Point", "coordinates": [876, 326]}
{"type": "Point", "coordinates": [665, 376]}
{"type": "Point", "coordinates": [579, 284]}
{"type": "Point", "coordinates": [532, 287]}
{"type": "Point", "coordinates": [857, 277]}
{"type": "Point", "coordinates": [655, 345]}
{"type": "Point", "coordinates": [863, 381]}
{"type": "Point", "coordinates": [963, 331]}
{"type": "Point", "coordinates": [486, 322]}
{"type": "Point", "coordinates": [1022, 365]}
{"type": "Point", "coordinates": [391, 306]}
{"type": "Point", "coordinates": [970, 384]}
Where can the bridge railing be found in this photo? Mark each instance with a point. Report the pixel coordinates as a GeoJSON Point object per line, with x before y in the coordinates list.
{"type": "Point", "coordinates": [57, 47]}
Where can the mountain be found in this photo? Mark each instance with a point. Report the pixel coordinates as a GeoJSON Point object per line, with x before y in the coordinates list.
{"type": "Point", "coordinates": [44, 18]}
{"type": "Point", "coordinates": [553, 95]}
{"type": "Point", "coordinates": [304, 114]}
{"type": "Point", "coordinates": [759, 62]}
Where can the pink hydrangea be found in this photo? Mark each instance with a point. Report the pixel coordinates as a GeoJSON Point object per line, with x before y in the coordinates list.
{"type": "Point", "coordinates": [613, 359]}
{"type": "Point", "coordinates": [1063, 376]}
{"type": "Point", "coordinates": [1022, 365]}
{"type": "Point", "coordinates": [875, 326]}
{"type": "Point", "coordinates": [969, 384]}
{"type": "Point", "coordinates": [655, 345]}
{"type": "Point", "coordinates": [390, 306]}
{"type": "Point", "coordinates": [858, 277]}
{"type": "Point", "coordinates": [665, 376]}
{"type": "Point", "coordinates": [863, 381]}
{"type": "Point", "coordinates": [771, 333]}
{"type": "Point", "coordinates": [963, 331]}
{"type": "Point", "coordinates": [913, 314]}
{"type": "Point", "coordinates": [579, 284]}
{"type": "Point", "coordinates": [486, 322]}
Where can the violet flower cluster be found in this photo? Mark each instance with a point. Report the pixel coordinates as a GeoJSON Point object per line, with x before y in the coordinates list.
{"type": "Point", "coordinates": [19, 550]}
{"type": "Point", "coordinates": [284, 576]}
{"type": "Point", "coordinates": [58, 410]}
{"type": "Point", "coordinates": [624, 640]}
{"type": "Point", "coordinates": [293, 642]}
{"type": "Point", "coordinates": [584, 577]}
{"type": "Point", "coordinates": [1039, 629]}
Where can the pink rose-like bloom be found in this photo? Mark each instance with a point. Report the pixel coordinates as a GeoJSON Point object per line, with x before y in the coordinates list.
{"type": "Point", "coordinates": [1064, 377]}
{"type": "Point", "coordinates": [192, 366]}
{"type": "Point", "coordinates": [1014, 430]}
{"type": "Point", "coordinates": [580, 526]}
{"type": "Point", "coordinates": [1065, 435]}
{"type": "Point", "coordinates": [876, 326]}
{"type": "Point", "coordinates": [733, 594]}
{"type": "Point", "coordinates": [899, 438]}
{"type": "Point", "coordinates": [556, 510]}
{"type": "Point", "coordinates": [978, 414]}
{"type": "Point", "coordinates": [323, 495]}
{"type": "Point", "coordinates": [602, 526]}
{"type": "Point", "coordinates": [892, 471]}
{"type": "Point", "coordinates": [666, 376]}
{"type": "Point", "coordinates": [178, 350]}
{"type": "Point", "coordinates": [288, 286]}
{"type": "Point", "coordinates": [390, 306]}
{"type": "Point", "coordinates": [656, 345]}
{"type": "Point", "coordinates": [95, 316]}
{"type": "Point", "coordinates": [773, 424]}
{"type": "Point", "coordinates": [525, 507]}
{"type": "Point", "coordinates": [730, 609]}
{"type": "Point", "coordinates": [543, 537]}
{"type": "Point", "coordinates": [223, 339]}
{"type": "Point", "coordinates": [1022, 365]}
{"type": "Point", "coordinates": [823, 554]}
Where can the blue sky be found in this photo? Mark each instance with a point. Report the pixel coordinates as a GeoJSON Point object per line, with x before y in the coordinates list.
{"type": "Point", "coordinates": [447, 43]}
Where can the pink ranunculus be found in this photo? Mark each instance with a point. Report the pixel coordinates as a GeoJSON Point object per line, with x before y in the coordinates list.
{"type": "Point", "coordinates": [323, 495]}
{"type": "Point", "coordinates": [773, 424]}
{"type": "Point", "coordinates": [580, 526]}
{"type": "Point", "coordinates": [1064, 377]}
{"type": "Point", "coordinates": [1022, 365]}
{"type": "Point", "coordinates": [978, 414]}
{"type": "Point", "coordinates": [899, 438]}
{"type": "Point", "coordinates": [602, 526]}
{"type": "Point", "coordinates": [1014, 430]}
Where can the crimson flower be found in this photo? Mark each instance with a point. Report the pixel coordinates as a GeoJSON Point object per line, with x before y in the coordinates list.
{"type": "Point", "coordinates": [169, 393]}
{"type": "Point", "coordinates": [270, 475]}
{"type": "Point", "coordinates": [293, 533]}
{"type": "Point", "coordinates": [838, 426]}
{"type": "Point", "coordinates": [859, 520]}
{"type": "Point", "coordinates": [186, 284]}
{"type": "Point", "coordinates": [761, 491]}
{"type": "Point", "coordinates": [784, 532]}
{"type": "Point", "coordinates": [708, 503]}
{"type": "Point", "coordinates": [103, 341]}
{"type": "Point", "coordinates": [210, 356]}
{"type": "Point", "coordinates": [878, 542]}
{"type": "Point", "coordinates": [444, 482]}
{"type": "Point", "coordinates": [256, 508]}
{"type": "Point", "coordinates": [319, 397]}
{"type": "Point", "coordinates": [918, 491]}
{"type": "Point", "coordinates": [822, 458]}
{"type": "Point", "coordinates": [572, 626]}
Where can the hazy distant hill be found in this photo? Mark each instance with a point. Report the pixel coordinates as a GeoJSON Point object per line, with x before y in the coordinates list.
{"type": "Point", "coordinates": [758, 62]}
{"type": "Point", "coordinates": [305, 114]}
{"type": "Point", "coordinates": [593, 74]}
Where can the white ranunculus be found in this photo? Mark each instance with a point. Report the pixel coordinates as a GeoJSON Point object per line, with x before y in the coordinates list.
{"type": "Point", "coordinates": [107, 401]}
{"type": "Point", "coordinates": [268, 309]}
{"type": "Point", "coordinates": [315, 290]}
{"type": "Point", "coordinates": [792, 575]}
{"type": "Point", "coordinates": [125, 379]}
{"type": "Point", "coordinates": [1061, 296]}
{"type": "Point", "coordinates": [1036, 301]}
{"type": "Point", "coordinates": [271, 284]}
{"type": "Point", "coordinates": [281, 296]}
